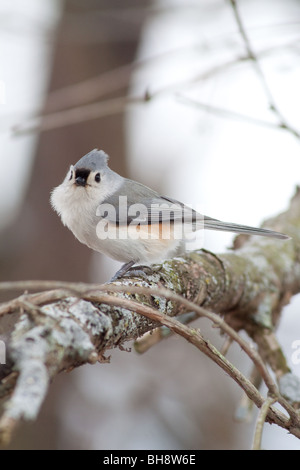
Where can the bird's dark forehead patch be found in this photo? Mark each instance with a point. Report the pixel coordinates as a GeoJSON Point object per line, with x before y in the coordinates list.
{"type": "Point", "coordinates": [82, 173]}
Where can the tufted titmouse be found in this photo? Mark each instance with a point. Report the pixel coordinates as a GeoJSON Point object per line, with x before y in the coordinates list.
{"type": "Point", "coordinates": [126, 220]}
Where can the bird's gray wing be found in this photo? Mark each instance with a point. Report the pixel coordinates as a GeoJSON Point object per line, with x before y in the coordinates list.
{"type": "Point", "coordinates": [136, 203]}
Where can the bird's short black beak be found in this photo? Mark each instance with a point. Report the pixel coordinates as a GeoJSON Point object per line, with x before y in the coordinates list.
{"type": "Point", "coordinates": [81, 176]}
{"type": "Point", "coordinates": [80, 181]}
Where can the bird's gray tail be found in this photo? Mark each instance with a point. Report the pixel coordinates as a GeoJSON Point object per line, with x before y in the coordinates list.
{"type": "Point", "coordinates": [214, 224]}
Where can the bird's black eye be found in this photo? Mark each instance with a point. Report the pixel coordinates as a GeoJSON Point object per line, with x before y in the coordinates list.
{"type": "Point", "coordinates": [97, 177]}
{"type": "Point", "coordinates": [71, 175]}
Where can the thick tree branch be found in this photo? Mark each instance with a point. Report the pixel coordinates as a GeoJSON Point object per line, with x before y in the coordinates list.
{"type": "Point", "coordinates": [67, 325]}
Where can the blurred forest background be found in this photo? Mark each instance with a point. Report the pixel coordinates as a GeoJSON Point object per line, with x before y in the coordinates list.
{"type": "Point", "coordinates": [186, 103]}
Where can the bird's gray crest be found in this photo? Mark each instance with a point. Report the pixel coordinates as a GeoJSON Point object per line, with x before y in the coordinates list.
{"type": "Point", "coordinates": [94, 160]}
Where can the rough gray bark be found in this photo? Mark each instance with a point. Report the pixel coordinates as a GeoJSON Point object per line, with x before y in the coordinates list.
{"type": "Point", "coordinates": [72, 324]}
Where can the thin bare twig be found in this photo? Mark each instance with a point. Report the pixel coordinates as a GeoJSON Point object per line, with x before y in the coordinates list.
{"type": "Point", "coordinates": [245, 407]}
{"type": "Point", "coordinates": [118, 105]}
{"type": "Point", "coordinates": [151, 338]}
{"type": "Point", "coordinates": [227, 113]}
{"type": "Point", "coordinates": [256, 64]}
{"type": "Point", "coordinates": [261, 421]}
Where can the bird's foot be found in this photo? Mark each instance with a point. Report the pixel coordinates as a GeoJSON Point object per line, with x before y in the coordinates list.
{"type": "Point", "coordinates": [140, 271]}
{"type": "Point", "coordinates": [133, 271]}
{"type": "Point", "coordinates": [122, 271]}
